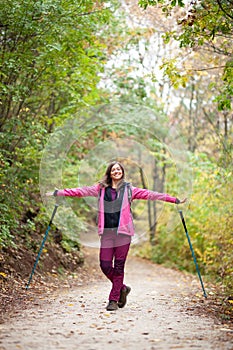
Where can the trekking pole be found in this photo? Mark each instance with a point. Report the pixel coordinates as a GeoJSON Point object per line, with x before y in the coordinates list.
{"type": "Point", "coordinates": [193, 254]}
{"type": "Point", "coordinates": [42, 245]}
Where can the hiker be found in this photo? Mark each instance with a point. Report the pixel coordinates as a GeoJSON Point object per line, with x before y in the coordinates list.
{"type": "Point", "coordinates": [115, 224]}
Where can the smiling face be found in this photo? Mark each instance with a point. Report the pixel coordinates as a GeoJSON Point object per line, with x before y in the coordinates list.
{"type": "Point", "coordinates": [116, 173]}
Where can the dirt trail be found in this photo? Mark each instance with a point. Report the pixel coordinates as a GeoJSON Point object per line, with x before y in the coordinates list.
{"type": "Point", "coordinates": [161, 314]}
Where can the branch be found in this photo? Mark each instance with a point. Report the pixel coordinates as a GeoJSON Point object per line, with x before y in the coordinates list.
{"type": "Point", "coordinates": [91, 12]}
{"type": "Point", "coordinates": [210, 68]}
{"type": "Point", "coordinates": [223, 10]}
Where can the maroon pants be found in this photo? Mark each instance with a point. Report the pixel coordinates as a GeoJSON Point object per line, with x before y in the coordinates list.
{"type": "Point", "coordinates": [113, 253]}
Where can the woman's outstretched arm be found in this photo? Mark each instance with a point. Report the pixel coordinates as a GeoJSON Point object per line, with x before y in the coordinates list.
{"type": "Point", "coordinates": [141, 193]}
{"type": "Point", "coordinates": [85, 191]}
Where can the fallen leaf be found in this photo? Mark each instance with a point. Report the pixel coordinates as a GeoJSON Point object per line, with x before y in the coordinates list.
{"type": "Point", "coordinates": [93, 325]}
{"type": "Point", "coordinates": [3, 274]}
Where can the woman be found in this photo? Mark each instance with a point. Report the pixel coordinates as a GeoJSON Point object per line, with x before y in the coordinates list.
{"type": "Point", "coordinates": [115, 224]}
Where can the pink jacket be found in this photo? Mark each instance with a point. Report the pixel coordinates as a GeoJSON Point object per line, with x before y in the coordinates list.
{"type": "Point", "coordinates": [126, 220]}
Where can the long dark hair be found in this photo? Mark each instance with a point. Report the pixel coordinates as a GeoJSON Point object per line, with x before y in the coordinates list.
{"type": "Point", "coordinates": [107, 180]}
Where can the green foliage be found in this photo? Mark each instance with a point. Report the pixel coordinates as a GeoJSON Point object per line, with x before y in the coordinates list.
{"type": "Point", "coordinates": [166, 5]}
{"type": "Point", "coordinates": [224, 100]}
{"type": "Point", "coordinates": [6, 238]}
{"type": "Point", "coordinates": [211, 217]}
{"type": "Point", "coordinates": [176, 77]}
{"type": "Point", "coordinates": [51, 55]}
{"type": "Point", "coordinates": [69, 244]}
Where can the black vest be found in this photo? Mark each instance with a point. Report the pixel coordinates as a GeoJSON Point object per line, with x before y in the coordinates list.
{"type": "Point", "coordinates": [112, 208]}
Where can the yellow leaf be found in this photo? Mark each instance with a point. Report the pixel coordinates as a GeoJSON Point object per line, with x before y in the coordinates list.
{"type": "Point", "coordinates": [230, 301]}
{"type": "Point", "coordinates": [3, 274]}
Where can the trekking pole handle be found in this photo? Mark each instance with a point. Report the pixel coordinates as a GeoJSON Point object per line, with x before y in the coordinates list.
{"type": "Point", "coordinates": [54, 213]}
{"type": "Point", "coordinates": [182, 219]}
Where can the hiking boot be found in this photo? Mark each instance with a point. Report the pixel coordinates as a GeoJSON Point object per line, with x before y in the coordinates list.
{"type": "Point", "coordinates": [123, 297]}
{"type": "Point", "coordinates": [112, 305]}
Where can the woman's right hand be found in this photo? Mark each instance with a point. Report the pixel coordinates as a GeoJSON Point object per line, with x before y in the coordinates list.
{"type": "Point", "coordinates": [49, 194]}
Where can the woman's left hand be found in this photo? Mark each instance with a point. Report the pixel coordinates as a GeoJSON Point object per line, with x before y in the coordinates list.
{"type": "Point", "coordinates": [183, 200]}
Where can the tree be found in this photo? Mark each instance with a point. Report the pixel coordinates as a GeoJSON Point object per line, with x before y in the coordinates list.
{"type": "Point", "coordinates": [51, 55]}
{"type": "Point", "coordinates": [204, 31]}
{"type": "Point", "coordinates": [203, 79]}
